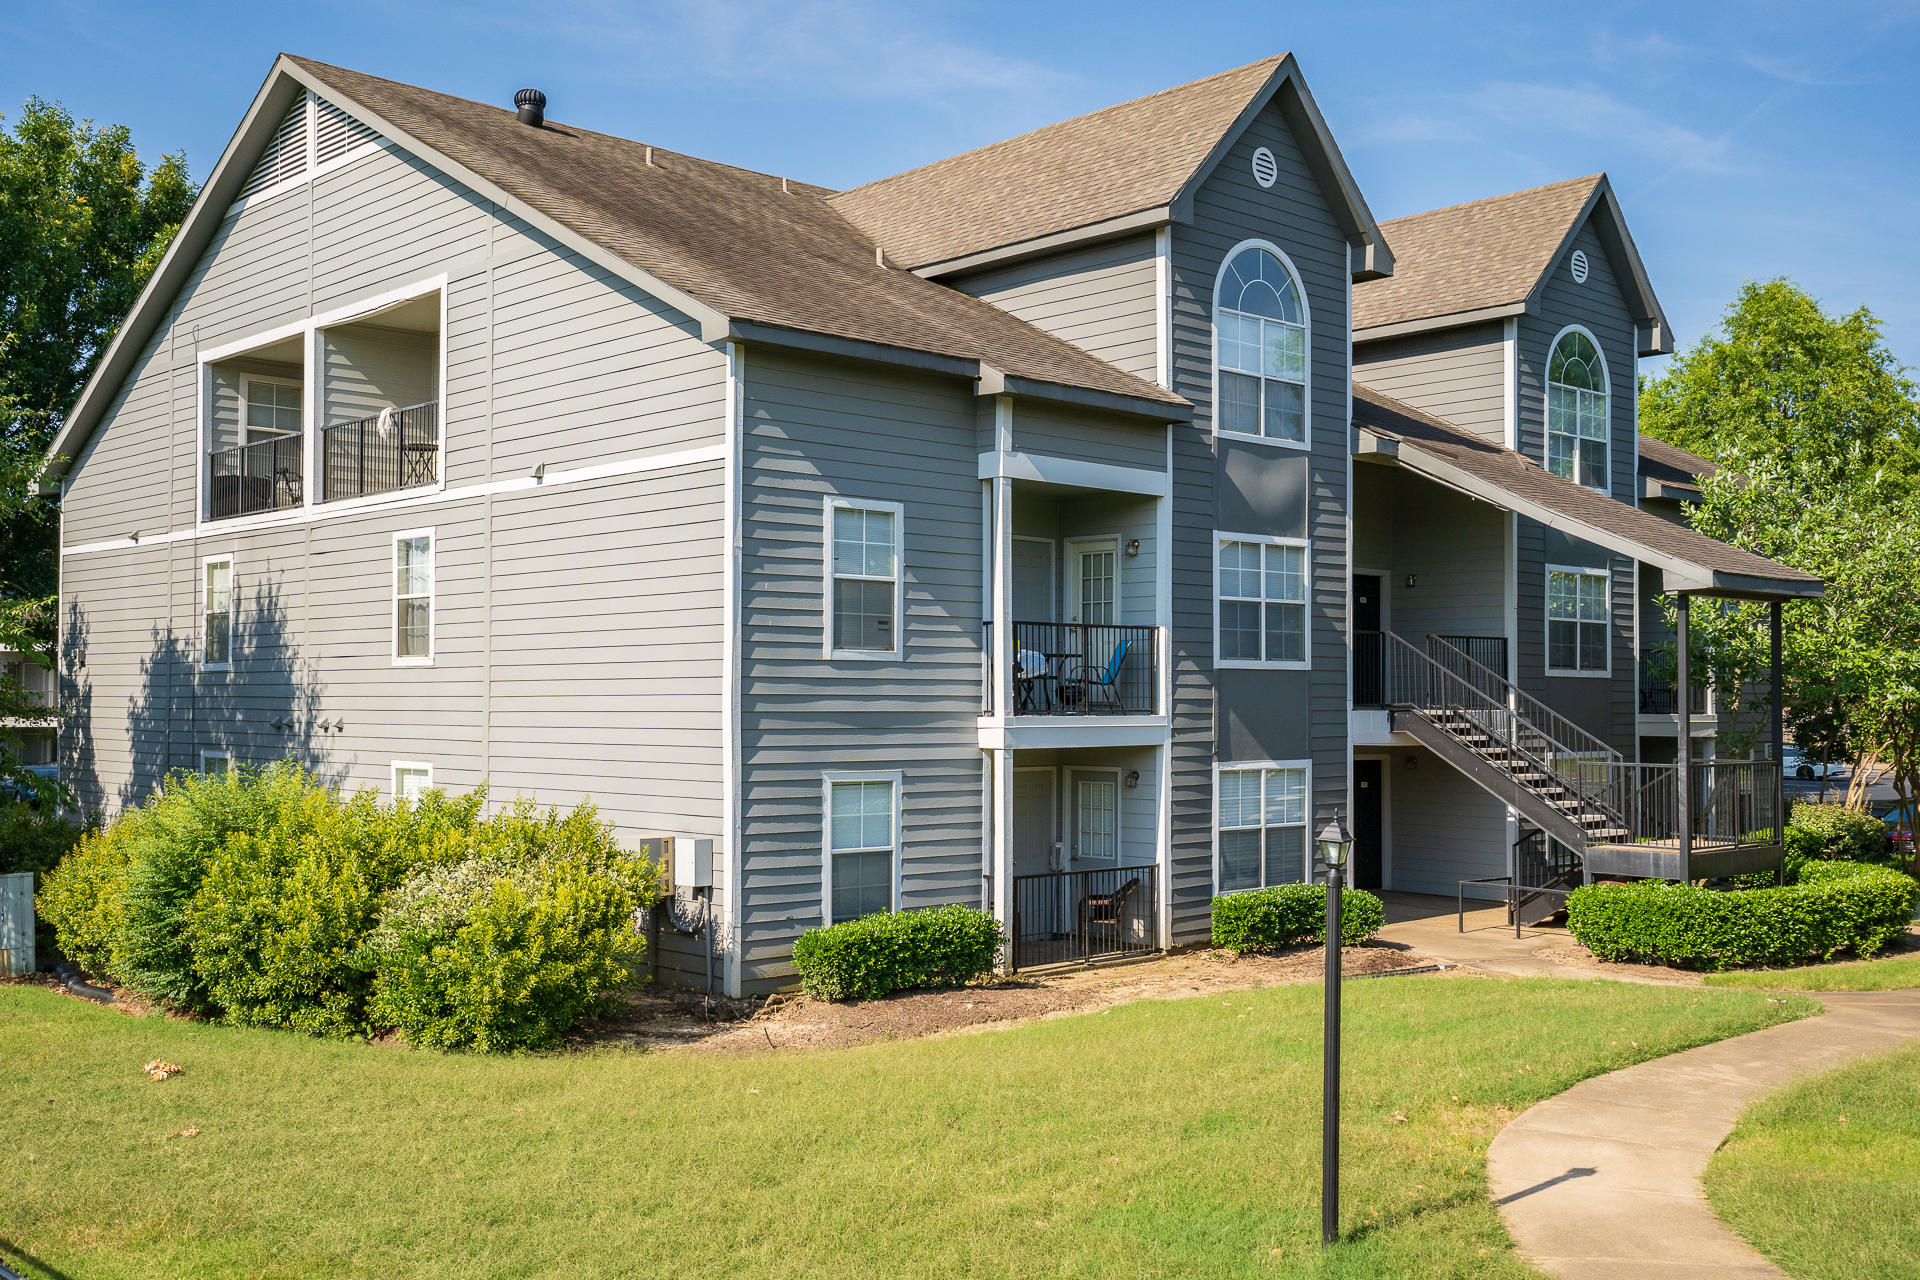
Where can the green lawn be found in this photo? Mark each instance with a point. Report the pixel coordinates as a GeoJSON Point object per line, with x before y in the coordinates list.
{"type": "Point", "coordinates": [1155, 1139]}
{"type": "Point", "coordinates": [1888, 974]}
{"type": "Point", "coordinates": [1824, 1177]}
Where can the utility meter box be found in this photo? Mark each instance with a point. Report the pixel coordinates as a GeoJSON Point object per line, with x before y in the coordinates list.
{"type": "Point", "coordinates": [692, 863]}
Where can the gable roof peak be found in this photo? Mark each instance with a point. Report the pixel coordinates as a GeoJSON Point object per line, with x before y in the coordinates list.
{"type": "Point", "coordinates": [1490, 258]}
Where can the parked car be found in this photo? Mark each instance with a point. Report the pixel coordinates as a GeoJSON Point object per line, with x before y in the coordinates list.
{"type": "Point", "coordinates": [1800, 765]}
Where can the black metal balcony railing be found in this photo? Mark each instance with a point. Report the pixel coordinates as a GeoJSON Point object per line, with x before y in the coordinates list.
{"type": "Point", "coordinates": [1067, 917]}
{"type": "Point", "coordinates": [1489, 651]}
{"type": "Point", "coordinates": [1079, 669]}
{"type": "Point", "coordinates": [396, 450]}
{"type": "Point", "coordinates": [266, 475]}
{"type": "Point", "coordinates": [1658, 697]}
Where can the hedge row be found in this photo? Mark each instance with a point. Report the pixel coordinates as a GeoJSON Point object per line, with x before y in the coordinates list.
{"type": "Point", "coordinates": [1834, 833]}
{"type": "Point", "coordinates": [1291, 915]}
{"type": "Point", "coordinates": [897, 950]}
{"type": "Point", "coordinates": [264, 898]}
{"type": "Point", "coordinates": [1835, 907]}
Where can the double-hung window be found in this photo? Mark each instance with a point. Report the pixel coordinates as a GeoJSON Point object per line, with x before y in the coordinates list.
{"type": "Point", "coordinates": [862, 838]}
{"type": "Point", "coordinates": [1262, 836]}
{"type": "Point", "coordinates": [1261, 325]}
{"type": "Point", "coordinates": [413, 597]}
{"type": "Point", "coordinates": [863, 579]}
{"type": "Point", "coordinates": [1577, 621]}
{"type": "Point", "coordinates": [1577, 411]}
{"type": "Point", "coordinates": [216, 619]}
{"type": "Point", "coordinates": [1262, 606]}
{"type": "Point", "coordinates": [273, 408]}
{"type": "Point", "coordinates": [410, 778]}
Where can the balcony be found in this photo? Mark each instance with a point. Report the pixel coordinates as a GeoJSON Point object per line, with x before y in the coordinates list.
{"type": "Point", "coordinates": [265, 475]}
{"type": "Point", "coordinates": [1658, 697]}
{"type": "Point", "coordinates": [383, 453]}
{"type": "Point", "coordinates": [1080, 669]}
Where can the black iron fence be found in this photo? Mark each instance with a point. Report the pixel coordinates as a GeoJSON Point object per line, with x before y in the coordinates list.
{"type": "Point", "coordinates": [398, 449]}
{"type": "Point", "coordinates": [1489, 651]}
{"type": "Point", "coordinates": [1072, 917]}
{"type": "Point", "coordinates": [266, 475]}
{"type": "Point", "coordinates": [1079, 669]}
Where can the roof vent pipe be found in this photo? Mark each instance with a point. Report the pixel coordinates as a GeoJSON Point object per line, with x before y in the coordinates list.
{"type": "Point", "coordinates": [532, 105]}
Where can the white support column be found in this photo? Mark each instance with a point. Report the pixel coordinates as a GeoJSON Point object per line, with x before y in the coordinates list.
{"type": "Point", "coordinates": [1001, 764]}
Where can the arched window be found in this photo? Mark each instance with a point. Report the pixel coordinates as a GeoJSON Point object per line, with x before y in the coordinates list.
{"type": "Point", "coordinates": [1577, 411]}
{"type": "Point", "coordinates": [1262, 325]}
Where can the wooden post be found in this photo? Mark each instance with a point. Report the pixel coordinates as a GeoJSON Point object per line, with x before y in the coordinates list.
{"type": "Point", "coordinates": [1778, 730]}
{"type": "Point", "coordinates": [1683, 747]}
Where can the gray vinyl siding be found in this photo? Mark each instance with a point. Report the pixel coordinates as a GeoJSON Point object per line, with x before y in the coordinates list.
{"type": "Point", "coordinates": [367, 369]}
{"type": "Point", "coordinates": [1456, 374]}
{"type": "Point", "coordinates": [1118, 516]}
{"type": "Point", "coordinates": [1442, 829]}
{"type": "Point", "coordinates": [1453, 547]}
{"type": "Point", "coordinates": [1088, 437]}
{"type": "Point", "coordinates": [1608, 707]}
{"type": "Point", "coordinates": [1100, 297]}
{"type": "Point", "coordinates": [815, 428]}
{"type": "Point", "coordinates": [1294, 214]}
{"type": "Point", "coordinates": [578, 626]}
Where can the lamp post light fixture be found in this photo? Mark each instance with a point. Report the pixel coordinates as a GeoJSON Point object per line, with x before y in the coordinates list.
{"type": "Point", "coordinates": [1335, 843]}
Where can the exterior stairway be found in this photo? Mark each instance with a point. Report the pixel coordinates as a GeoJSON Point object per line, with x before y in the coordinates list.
{"type": "Point", "coordinates": [1554, 774]}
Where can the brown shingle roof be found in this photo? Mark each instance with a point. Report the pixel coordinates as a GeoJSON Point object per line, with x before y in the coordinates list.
{"type": "Point", "coordinates": [1091, 169]}
{"type": "Point", "coordinates": [728, 238]}
{"type": "Point", "coordinates": [1535, 487]}
{"type": "Point", "coordinates": [1671, 466]}
{"type": "Point", "coordinates": [1468, 257]}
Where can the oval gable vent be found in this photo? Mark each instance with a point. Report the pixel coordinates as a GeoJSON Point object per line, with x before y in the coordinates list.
{"type": "Point", "coordinates": [1265, 167]}
{"type": "Point", "coordinates": [1579, 265]}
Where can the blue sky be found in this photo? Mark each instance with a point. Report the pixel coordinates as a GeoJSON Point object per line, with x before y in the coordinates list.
{"type": "Point", "coordinates": [1745, 140]}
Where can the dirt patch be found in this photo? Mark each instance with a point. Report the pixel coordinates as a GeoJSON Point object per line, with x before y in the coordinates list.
{"type": "Point", "coordinates": [687, 1023]}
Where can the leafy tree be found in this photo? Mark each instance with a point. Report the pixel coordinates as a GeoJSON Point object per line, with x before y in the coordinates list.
{"type": "Point", "coordinates": [1785, 378]}
{"type": "Point", "coordinates": [83, 223]}
{"type": "Point", "coordinates": [1819, 430]}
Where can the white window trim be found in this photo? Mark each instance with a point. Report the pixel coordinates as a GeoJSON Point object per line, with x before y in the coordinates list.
{"type": "Point", "coordinates": [1546, 413]}
{"type": "Point", "coordinates": [1546, 613]}
{"type": "Point", "coordinates": [1221, 536]}
{"type": "Point", "coordinates": [433, 593]}
{"type": "Point", "coordinates": [895, 779]}
{"type": "Point", "coordinates": [308, 330]}
{"type": "Point", "coordinates": [246, 396]}
{"type": "Point", "coordinates": [830, 505]}
{"type": "Point", "coordinates": [1305, 444]}
{"type": "Point", "coordinates": [220, 753]}
{"type": "Point", "coordinates": [225, 558]}
{"type": "Point", "coordinates": [1237, 766]}
{"type": "Point", "coordinates": [393, 774]}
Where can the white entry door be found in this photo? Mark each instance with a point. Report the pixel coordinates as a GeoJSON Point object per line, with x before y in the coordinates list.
{"type": "Point", "coordinates": [1095, 819]}
{"type": "Point", "coordinates": [1035, 811]}
{"type": "Point", "coordinates": [1093, 581]}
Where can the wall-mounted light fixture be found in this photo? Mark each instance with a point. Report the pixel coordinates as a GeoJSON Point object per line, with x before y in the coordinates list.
{"type": "Point", "coordinates": [1412, 762]}
{"type": "Point", "coordinates": [1133, 546]}
{"type": "Point", "coordinates": [540, 473]}
{"type": "Point", "coordinates": [1413, 580]}
{"type": "Point", "coordinates": [1132, 778]}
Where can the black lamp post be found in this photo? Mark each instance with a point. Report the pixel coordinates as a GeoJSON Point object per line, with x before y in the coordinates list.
{"type": "Point", "coordinates": [1335, 842]}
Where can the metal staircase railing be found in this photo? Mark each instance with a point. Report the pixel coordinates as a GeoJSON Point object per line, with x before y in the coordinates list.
{"type": "Point", "coordinates": [1531, 743]}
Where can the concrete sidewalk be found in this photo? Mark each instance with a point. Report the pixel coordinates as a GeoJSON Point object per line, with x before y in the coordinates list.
{"type": "Point", "coordinates": [1603, 1181]}
{"type": "Point", "coordinates": [1429, 924]}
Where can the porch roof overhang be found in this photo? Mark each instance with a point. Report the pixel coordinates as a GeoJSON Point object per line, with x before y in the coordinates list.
{"type": "Point", "coordinates": [1389, 432]}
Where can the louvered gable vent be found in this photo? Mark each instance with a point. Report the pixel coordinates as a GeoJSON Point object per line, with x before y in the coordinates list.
{"type": "Point", "coordinates": [286, 154]}
{"type": "Point", "coordinates": [293, 151]}
{"type": "Point", "coordinates": [337, 133]}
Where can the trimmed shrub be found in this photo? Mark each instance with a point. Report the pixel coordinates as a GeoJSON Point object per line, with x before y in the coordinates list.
{"type": "Point", "coordinates": [1833, 832]}
{"type": "Point", "coordinates": [1836, 907]}
{"type": "Point", "coordinates": [81, 898]}
{"type": "Point", "coordinates": [495, 955]}
{"type": "Point", "coordinates": [1291, 915]}
{"type": "Point", "coordinates": [870, 957]}
{"type": "Point", "coordinates": [280, 916]}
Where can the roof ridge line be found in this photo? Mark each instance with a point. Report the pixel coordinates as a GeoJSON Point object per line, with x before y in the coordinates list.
{"type": "Point", "coordinates": [1595, 177]}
